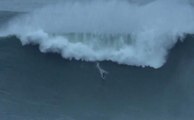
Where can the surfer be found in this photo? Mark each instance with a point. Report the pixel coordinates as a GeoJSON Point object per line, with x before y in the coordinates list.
{"type": "Point", "coordinates": [101, 71]}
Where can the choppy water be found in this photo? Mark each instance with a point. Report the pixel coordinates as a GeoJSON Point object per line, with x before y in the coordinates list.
{"type": "Point", "coordinates": [36, 86]}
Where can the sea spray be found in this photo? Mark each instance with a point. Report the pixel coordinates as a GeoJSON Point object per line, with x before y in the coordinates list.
{"type": "Point", "coordinates": [118, 31]}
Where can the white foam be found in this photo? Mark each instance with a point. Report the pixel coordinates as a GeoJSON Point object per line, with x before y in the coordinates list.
{"type": "Point", "coordinates": [153, 28]}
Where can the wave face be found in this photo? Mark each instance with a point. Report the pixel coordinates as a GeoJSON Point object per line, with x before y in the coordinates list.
{"type": "Point", "coordinates": [118, 31]}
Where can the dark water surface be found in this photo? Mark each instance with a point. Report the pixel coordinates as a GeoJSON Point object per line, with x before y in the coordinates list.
{"type": "Point", "coordinates": [36, 86]}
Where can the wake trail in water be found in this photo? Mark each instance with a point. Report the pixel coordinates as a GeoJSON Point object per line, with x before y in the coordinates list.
{"type": "Point", "coordinates": [118, 31]}
{"type": "Point", "coordinates": [101, 71]}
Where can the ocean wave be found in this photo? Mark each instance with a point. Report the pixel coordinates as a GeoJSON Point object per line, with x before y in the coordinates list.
{"type": "Point", "coordinates": [118, 31]}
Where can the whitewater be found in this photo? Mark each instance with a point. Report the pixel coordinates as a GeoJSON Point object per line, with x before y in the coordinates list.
{"type": "Point", "coordinates": [120, 31]}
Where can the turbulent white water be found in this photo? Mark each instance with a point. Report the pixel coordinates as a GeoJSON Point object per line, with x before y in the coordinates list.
{"type": "Point", "coordinates": [119, 31]}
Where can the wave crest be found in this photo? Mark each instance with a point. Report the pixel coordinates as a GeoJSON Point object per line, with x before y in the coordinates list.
{"type": "Point", "coordinates": [122, 32]}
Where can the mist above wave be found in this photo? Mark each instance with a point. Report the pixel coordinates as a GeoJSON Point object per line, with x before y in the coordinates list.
{"type": "Point", "coordinates": [96, 31]}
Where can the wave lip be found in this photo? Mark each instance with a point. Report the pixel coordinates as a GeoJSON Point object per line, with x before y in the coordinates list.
{"type": "Point", "coordinates": [118, 31]}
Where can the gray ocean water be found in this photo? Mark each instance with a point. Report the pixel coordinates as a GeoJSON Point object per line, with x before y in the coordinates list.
{"type": "Point", "coordinates": [36, 86]}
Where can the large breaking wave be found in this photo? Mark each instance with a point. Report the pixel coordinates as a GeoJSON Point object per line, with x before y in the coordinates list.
{"type": "Point", "coordinates": [118, 31]}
